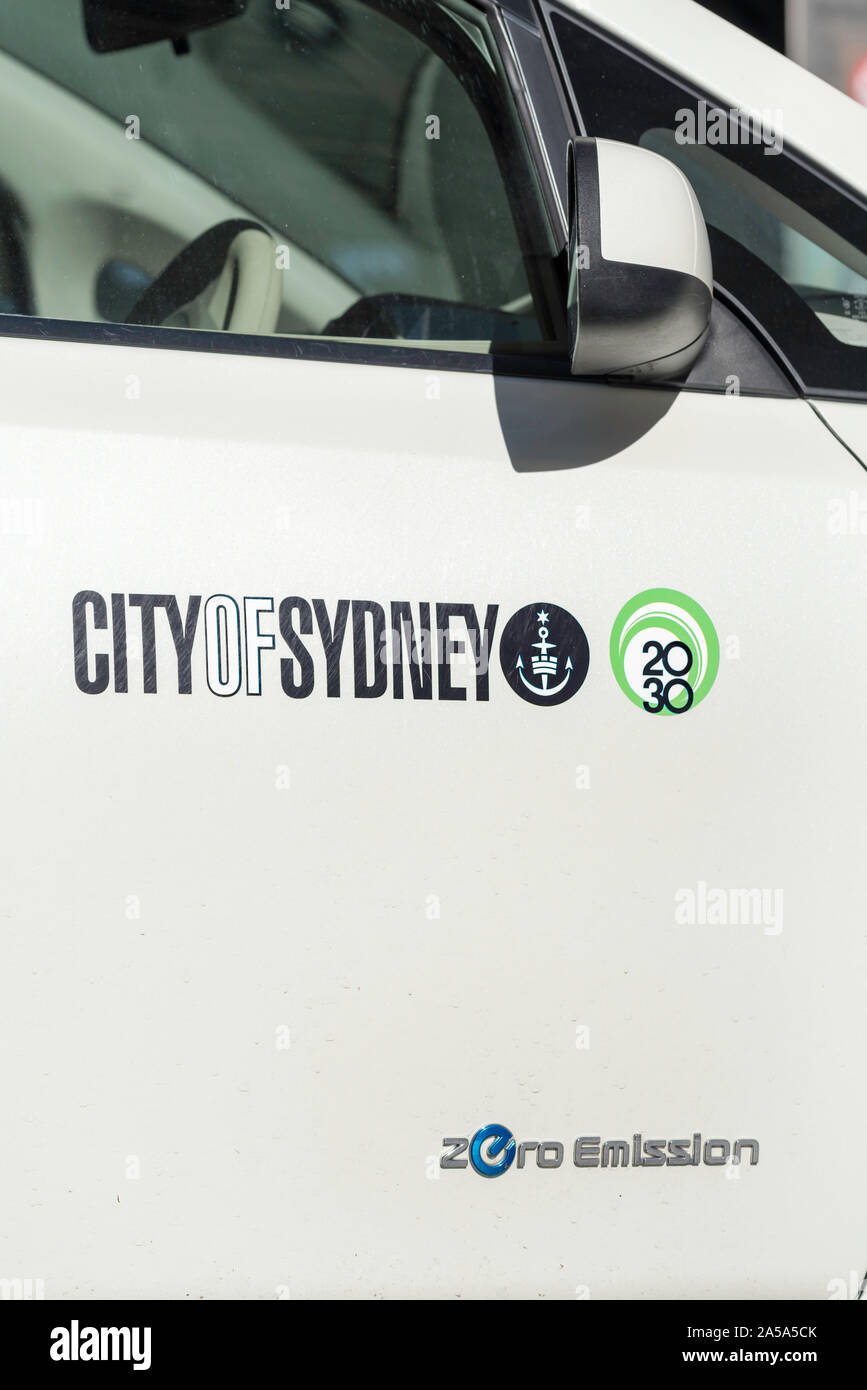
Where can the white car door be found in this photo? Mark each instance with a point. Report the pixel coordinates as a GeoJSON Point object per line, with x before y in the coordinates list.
{"type": "Point", "coordinates": [293, 919]}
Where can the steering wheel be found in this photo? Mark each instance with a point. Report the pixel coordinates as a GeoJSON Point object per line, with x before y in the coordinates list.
{"type": "Point", "coordinates": [239, 259]}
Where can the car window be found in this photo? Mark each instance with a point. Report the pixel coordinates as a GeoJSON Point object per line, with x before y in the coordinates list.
{"type": "Point", "coordinates": [779, 231]}
{"type": "Point", "coordinates": [789, 245]}
{"type": "Point", "coordinates": [376, 143]}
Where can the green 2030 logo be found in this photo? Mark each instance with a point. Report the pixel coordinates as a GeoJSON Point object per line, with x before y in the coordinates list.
{"type": "Point", "coordinates": [664, 651]}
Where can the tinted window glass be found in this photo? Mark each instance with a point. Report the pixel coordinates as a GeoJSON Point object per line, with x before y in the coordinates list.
{"type": "Point", "coordinates": [789, 246]}
{"type": "Point", "coordinates": [371, 142]}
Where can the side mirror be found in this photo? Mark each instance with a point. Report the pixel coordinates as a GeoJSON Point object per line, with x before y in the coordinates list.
{"type": "Point", "coordinates": [111, 25]}
{"type": "Point", "coordinates": [640, 273]}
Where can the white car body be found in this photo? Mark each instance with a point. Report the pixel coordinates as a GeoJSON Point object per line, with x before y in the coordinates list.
{"type": "Point", "coordinates": [261, 955]}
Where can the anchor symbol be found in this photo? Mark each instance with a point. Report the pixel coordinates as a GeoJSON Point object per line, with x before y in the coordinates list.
{"type": "Point", "coordinates": [546, 689]}
{"type": "Point", "coordinates": [544, 666]}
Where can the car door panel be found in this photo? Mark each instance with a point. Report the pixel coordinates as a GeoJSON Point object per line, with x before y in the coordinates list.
{"type": "Point", "coordinates": [267, 951]}
{"type": "Point", "coordinates": [848, 420]}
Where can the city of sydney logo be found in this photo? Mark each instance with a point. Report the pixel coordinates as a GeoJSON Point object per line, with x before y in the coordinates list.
{"type": "Point", "coordinates": [544, 654]}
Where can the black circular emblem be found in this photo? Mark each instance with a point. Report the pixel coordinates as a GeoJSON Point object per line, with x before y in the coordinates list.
{"type": "Point", "coordinates": [544, 654]}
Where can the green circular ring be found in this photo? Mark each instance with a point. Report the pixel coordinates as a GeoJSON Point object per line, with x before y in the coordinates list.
{"type": "Point", "coordinates": [622, 633]}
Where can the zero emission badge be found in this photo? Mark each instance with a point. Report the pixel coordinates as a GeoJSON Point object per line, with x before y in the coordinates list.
{"type": "Point", "coordinates": [664, 651]}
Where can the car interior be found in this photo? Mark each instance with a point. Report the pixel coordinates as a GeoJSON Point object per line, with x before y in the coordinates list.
{"type": "Point", "coordinates": [359, 146]}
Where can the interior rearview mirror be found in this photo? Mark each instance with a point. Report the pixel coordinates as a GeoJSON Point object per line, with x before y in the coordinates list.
{"type": "Point", "coordinates": [114, 24]}
{"type": "Point", "coordinates": [640, 274]}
